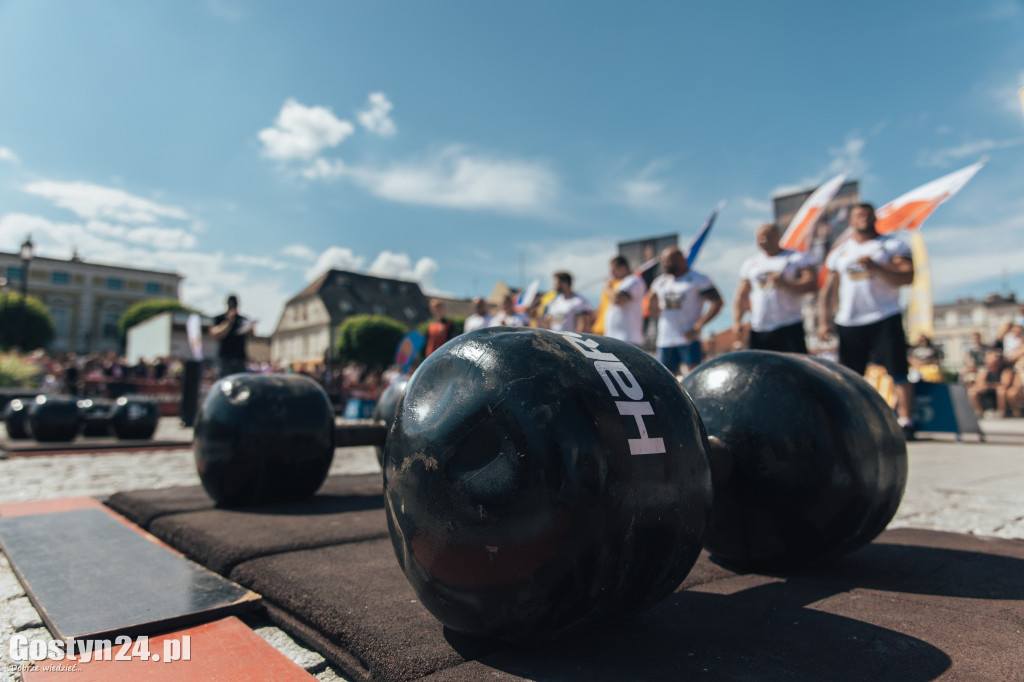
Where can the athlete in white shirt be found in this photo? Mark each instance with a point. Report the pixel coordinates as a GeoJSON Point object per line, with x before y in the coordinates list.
{"type": "Point", "coordinates": [772, 286]}
{"type": "Point", "coordinates": [568, 311]}
{"type": "Point", "coordinates": [624, 316]}
{"type": "Point", "coordinates": [866, 272]}
{"type": "Point", "coordinates": [684, 301]}
{"type": "Point", "coordinates": [508, 317]}
{"type": "Point", "coordinates": [480, 318]}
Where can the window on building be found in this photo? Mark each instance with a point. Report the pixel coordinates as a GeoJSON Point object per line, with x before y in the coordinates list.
{"type": "Point", "coordinates": [60, 321]}
{"type": "Point", "coordinates": [115, 283]}
{"type": "Point", "coordinates": [409, 312]}
{"type": "Point", "coordinates": [58, 277]}
{"type": "Point", "coordinates": [385, 287]}
{"type": "Point", "coordinates": [108, 324]}
{"type": "Point", "coordinates": [153, 288]}
{"type": "Point", "coordinates": [378, 308]}
{"type": "Point", "coordinates": [14, 273]}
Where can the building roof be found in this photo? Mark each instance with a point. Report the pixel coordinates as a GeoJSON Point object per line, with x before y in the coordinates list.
{"type": "Point", "coordinates": [347, 293]}
{"type": "Point", "coordinates": [78, 262]}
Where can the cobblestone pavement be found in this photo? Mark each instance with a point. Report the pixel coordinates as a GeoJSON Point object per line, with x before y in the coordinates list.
{"type": "Point", "coordinates": [967, 487]}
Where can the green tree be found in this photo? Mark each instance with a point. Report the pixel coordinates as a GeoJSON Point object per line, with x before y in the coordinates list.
{"type": "Point", "coordinates": [143, 310]}
{"type": "Point", "coordinates": [38, 322]}
{"type": "Point", "coordinates": [369, 339]}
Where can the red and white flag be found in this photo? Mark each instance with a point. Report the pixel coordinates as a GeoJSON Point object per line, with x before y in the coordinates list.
{"type": "Point", "coordinates": [910, 210]}
{"type": "Point", "coordinates": [797, 236]}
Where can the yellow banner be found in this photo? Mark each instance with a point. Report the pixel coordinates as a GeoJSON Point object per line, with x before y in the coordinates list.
{"type": "Point", "coordinates": [920, 316]}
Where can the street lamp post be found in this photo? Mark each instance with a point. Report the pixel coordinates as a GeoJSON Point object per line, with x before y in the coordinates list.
{"type": "Point", "coordinates": [27, 253]}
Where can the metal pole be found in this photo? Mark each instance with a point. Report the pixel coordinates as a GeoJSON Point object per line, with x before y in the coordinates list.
{"type": "Point", "coordinates": [21, 310]}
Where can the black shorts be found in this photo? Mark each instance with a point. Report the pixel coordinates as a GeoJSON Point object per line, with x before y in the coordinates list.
{"type": "Point", "coordinates": [789, 339]}
{"type": "Point", "coordinates": [881, 342]}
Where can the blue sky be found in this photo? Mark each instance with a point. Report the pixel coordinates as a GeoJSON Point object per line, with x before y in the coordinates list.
{"type": "Point", "coordinates": [249, 146]}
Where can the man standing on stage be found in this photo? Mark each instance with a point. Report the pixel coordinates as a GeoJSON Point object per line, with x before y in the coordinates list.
{"type": "Point", "coordinates": [624, 316]}
{"type": "Point", "coordinates": [480, 318]}
{"type": "Point", "coordinates": [231, 330]}
{"type": "Point", "coordinates": [772, 286]}
{"type": "Point", "coordinates": [867, 272]}
{"type": "Point", "coordinates": [684, 301]}
{"type": "Point", "coordinates": [568, 311]}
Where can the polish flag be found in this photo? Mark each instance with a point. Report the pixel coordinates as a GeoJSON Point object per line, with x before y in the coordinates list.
{"type": "Point", "coordinates": [910, 210]}
{"type": "Point", "coordinates": [797, 236]}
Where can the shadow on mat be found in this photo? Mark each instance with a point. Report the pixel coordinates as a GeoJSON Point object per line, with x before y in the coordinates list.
{"type": "Point", "coordinates": [762, 633]}
{"type": "Point", "coordinates": [915, 569]}
{"type": "Point", "coordinates": [315, 506]}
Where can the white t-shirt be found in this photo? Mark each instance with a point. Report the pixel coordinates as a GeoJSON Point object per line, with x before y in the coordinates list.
{"type": "Point", "coordinates": [513, 319]}
{"type": "Point", "coordinates": [476, 321]}
{"type": "Point", "coordinates": [564, 311]}
{"type": "Point", "coordinates": [773, 307]}
{"type": "Point", "coordinates": [626, 322]}
{"type": "Point", "coordinates": [864, 297]}
{"type": "Point", "coordinates": [681, 305]}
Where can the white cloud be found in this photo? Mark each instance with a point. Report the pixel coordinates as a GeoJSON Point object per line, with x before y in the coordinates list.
{"type": "Point", "coordinates": [454, 179]}
{"type": "Point", "coordinates": [758, 205]}
{"type": "Point", "coordinates": [302, 132]}
{"type": "Point", "coordinates": [334, 257]}
{"type": "Point", "coordinates": [161, 238]}
{"type": "Point", "coordinates": [259, 261]}
{"type": "Point", "coordinates": [299, 251]}
{"type": "Point", "coordinates": [7, 156]}
{"type": "Point", "coordinates": [322, 169]}
{"type": "Point", "coordinates": [91, 202]}
{"type": "Point", "coordinates": [849, 157]}
{"type": "Point", "coordinates": [209, 277]}
{"type": "Point", "coordinates": [400, 266]}
{"type": "Point", "coordinates": [947, 156]}
{"type": "Point", "coordinates": [376, 118]}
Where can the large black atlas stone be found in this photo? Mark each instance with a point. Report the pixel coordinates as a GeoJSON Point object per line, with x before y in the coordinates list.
{"type": "Point", "coordinates": [386, 407]}
{"type": "Point", "coordinates": [263, 438]}
{"type": "Point", "coordinates": [53, 419]}
{"type": "Point", "coordinates": [536, 481]}
{"type": "Point", "coordinates": [819, 462]}
{"type": "Point", "coordinates": [16, 419]}
{"type": "Point", "coordinates": [134, 418]}
{"type": "Point", "coordinates": [95, 416]}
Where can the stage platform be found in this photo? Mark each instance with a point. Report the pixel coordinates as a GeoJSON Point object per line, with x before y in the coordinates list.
{"type": "Point", "coordinates": [913, 605]}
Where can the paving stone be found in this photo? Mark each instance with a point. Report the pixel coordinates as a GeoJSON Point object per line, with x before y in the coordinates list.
{"type": "Point", "coordinates": [300, 655]}
{"type": "Point", "coordinates": [23, 615]}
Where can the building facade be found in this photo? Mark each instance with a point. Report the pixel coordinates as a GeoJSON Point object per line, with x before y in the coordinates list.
{"type": "Point", "coordinates": [305, 332]}
{"type": "Point", "coordinates": [955, 322]}
{"type": "Point", "coordinates": [86, 299]}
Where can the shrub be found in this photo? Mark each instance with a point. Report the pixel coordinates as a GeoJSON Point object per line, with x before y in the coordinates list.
{"type": "Point", "coordinates": [143, 310]}
{"type": "Point", "coordinates": [38, 323]}
{"type": "Point", "coordinates": [369, 339]}
{"type": "Point", "coordinates": [17, 372]}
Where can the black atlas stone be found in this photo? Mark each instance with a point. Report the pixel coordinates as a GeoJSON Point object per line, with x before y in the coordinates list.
{"type": "Point", "coordinates": [134, 418]}
{"type": "Point", "coordinates": [53, 419]}
{"type": "Point", "coordinates": [818, 460]}
{"type": "Point", "coordinates": [95, 414]}
{"type": "Point", "coordinates": [263, 438]}
{"type": "Point", "coordinates": [536, 481]}
{"type": "Point", "coordinates": [386, 407]}
{"type": "Point", "coordinates": [16, 419]}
